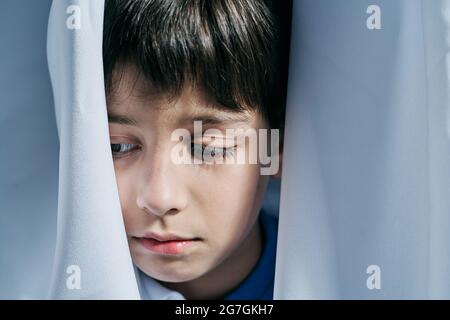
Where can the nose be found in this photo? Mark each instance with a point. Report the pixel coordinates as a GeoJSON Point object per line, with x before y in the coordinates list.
{"type": "Point", "coordinates": [161, 190]}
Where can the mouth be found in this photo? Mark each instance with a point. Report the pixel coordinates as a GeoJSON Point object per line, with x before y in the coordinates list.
{"type": "Point", "coordinates": [166, 244]}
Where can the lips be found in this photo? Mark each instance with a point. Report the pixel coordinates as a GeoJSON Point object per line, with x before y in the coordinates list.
{"type": "Point", "coordinates": [167, 244]}
{"type": "Point", "coordinates": [165, 237]}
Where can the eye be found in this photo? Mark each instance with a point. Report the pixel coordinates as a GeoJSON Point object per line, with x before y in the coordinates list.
{"type": "Point", "coordinates": [201, 150]}
{"type": "Point", "coordinates": [120, 149]}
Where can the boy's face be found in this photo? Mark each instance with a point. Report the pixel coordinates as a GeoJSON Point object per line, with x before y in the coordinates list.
{"type": "Point", "coordinates": [216, 205]}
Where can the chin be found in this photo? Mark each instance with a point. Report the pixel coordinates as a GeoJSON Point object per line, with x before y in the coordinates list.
{"type": "Point", "coordinates": [166, 274]}
{"type": "Point", "coordinates": [167, 271]}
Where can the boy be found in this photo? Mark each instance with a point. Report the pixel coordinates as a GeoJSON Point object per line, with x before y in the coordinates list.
{"type": "Point", "coordinates": [170, 64]}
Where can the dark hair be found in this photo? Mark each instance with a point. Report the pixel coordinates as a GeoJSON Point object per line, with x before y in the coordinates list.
{"type": "Point", "coordinates": [235, 50]}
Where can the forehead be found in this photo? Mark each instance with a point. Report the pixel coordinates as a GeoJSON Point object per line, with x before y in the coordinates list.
{"type": "Point", "coordinates": [132, 94]}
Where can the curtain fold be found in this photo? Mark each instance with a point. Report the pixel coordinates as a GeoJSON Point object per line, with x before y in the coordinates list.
{"type": "Point", "coordinates": [366, 180]}
{"type": "Point", "coordinates": [92, 259]}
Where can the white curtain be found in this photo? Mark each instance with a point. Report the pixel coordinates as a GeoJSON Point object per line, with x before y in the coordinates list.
{"type": "Point", "coordinates": [91, 246]}
{"type": "Point", "coordinates": [28, 152]}
{"type": "Point", "coordinates": [366, 177]}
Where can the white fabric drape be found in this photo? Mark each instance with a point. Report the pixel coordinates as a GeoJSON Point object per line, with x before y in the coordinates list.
{"type": "Point", "coordinates": [90, 233]}
{"type": "Point", "coordinates": [366, 166]}
{"type": "Point", "coordinates": [28, 153]}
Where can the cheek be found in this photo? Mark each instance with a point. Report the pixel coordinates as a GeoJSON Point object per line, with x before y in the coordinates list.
{"type": "Point", "coordinates": [231, 204]}
{"type": "Point", "coordinates": [235, 189]}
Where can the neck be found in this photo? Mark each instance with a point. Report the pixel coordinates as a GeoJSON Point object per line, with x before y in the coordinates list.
{"type": "Point", "coordinates": [229, 274]}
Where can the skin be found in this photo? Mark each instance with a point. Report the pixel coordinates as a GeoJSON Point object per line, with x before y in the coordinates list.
{"type": "Point", "coordinates": [218, 204]}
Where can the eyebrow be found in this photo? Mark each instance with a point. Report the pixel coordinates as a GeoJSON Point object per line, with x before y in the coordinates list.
{"type": "Point", "coordinates": [120, 119]}
{"type": "Point", "coordinates": [218, 118]}
{"type": "Point", "coordinates": [207, 119]}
